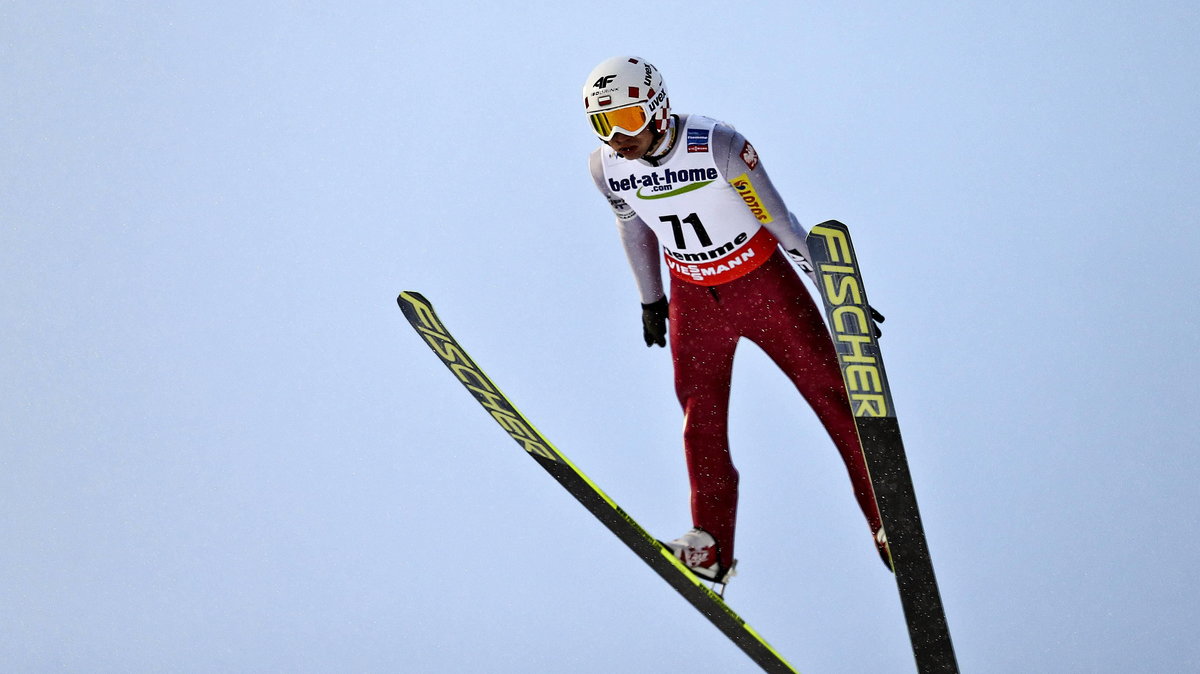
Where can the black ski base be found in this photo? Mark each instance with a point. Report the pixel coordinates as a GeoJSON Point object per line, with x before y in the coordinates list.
{"type": "Point", "coordinates": [420, 314]}
{"type": "Point", "coordinates": [879, 432]}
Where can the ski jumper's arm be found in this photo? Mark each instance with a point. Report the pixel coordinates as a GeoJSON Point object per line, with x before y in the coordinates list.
{"type": "Point", "coordinates": [641, 245]}
{"type": "Point", "coordinates": [734, 156]}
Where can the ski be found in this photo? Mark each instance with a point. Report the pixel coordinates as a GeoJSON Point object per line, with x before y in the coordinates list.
{"type": "Point", "coordinates": [879, 432]}
{"type": "Point", "coordinates": [425, 321]}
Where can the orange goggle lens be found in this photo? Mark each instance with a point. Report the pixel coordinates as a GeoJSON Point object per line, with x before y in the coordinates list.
{"type": "Point", "coordinates": [629, 120]}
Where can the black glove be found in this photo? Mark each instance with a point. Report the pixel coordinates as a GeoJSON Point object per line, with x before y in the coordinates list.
{"type": "Point", "coordinates": [877, 318]}
{"type": "Point", "coordinates": [654, 322]}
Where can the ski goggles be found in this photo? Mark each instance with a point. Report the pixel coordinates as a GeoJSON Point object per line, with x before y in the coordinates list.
{"type": "Point", "coordinates": [629, 121]}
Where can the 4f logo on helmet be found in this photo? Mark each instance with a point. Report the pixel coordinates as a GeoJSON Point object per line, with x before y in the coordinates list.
{"type": "Point", "coordinates": [604, 81]}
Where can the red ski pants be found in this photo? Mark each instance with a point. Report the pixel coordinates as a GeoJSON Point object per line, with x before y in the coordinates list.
{"type": "Point", "coordinates": [771, 308]}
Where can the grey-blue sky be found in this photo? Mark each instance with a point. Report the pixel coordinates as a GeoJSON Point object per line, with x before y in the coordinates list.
{"type": "Point", "coordinates": [222, 450]}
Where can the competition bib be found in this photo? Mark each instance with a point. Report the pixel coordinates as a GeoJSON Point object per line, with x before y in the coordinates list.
{"type": "Point", "coordinates": [710, 227]}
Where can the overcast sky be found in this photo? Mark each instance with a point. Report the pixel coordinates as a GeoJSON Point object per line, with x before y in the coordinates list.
{"type": "Point", "coordinates": [223, 449]}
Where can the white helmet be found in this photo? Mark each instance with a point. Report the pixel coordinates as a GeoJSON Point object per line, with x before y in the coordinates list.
{"type": "Point", "coordinates": [625, 94]}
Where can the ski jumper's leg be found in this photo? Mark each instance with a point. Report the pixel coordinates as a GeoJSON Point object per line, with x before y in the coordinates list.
{"type": "Point", "coordinates": [776, 312]}
{"type": "Point", "coordinates": [702, 349]}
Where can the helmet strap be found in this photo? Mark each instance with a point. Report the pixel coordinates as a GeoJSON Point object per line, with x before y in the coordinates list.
{"type": "Point", "coordinates": [663, 141]}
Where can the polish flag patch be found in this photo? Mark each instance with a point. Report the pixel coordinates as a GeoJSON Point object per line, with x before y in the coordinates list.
{"type": "Point", "coordinates": [750, 156]}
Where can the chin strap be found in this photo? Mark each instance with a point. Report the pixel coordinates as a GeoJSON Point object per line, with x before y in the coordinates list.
{"type": "Point", "coordinates": [663, 142]}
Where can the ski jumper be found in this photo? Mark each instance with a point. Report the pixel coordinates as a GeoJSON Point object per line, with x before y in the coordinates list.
{"type": "Point", "coordinates": [709, 206]}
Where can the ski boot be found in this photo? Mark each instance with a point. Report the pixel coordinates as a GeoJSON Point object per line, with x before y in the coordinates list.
{"type": "Point", "coordinates": [885, 551]}
{"type": "Point", "coordinates": [697, 549]}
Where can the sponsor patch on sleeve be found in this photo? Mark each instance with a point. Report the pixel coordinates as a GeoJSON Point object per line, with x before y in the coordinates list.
{"type": "Point", "coordinates": [621, 208]}
{"type": "Point", "coordinates": [745, 190]}
{"type": "Point", "coordinates": [750, 156]}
